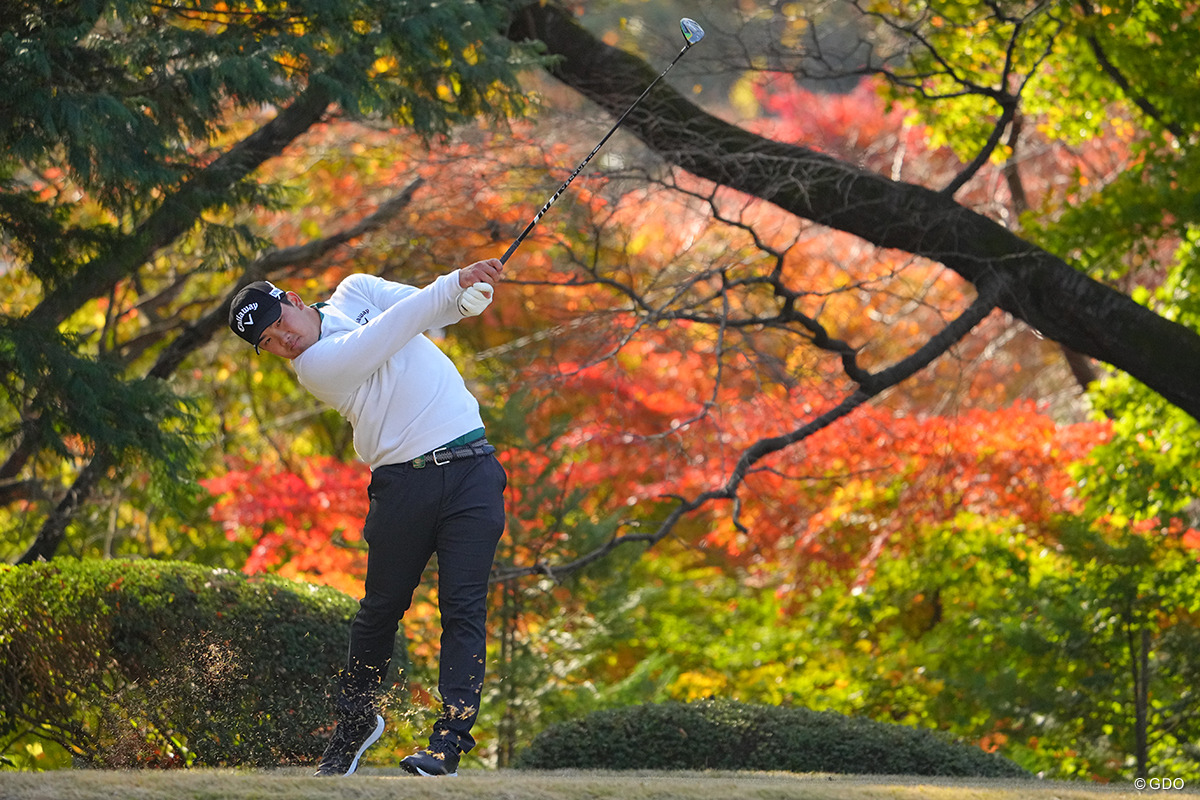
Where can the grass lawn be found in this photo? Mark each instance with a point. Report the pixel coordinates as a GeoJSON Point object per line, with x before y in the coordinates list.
{"type": "Point", "coordinates": [368, 784]}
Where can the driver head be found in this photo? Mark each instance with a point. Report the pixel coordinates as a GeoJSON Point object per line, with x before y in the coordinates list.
{"type": "Point", "coordinates": [692, 32]}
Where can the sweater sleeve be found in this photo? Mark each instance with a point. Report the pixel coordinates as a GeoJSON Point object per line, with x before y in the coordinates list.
{"type": "Point", "coordinates": [337, 366]}
{"type": "Point", "coordinates": [382, 293]}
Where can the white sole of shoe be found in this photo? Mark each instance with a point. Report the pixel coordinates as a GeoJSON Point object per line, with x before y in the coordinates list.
{"type": "Point", "coordinates": [370, 740]}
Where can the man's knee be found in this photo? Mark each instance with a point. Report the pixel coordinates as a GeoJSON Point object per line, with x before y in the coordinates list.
{"type": "Point", "coordinates": [381, 614]}
{"type": "Point", "coordinates": [459, 598]}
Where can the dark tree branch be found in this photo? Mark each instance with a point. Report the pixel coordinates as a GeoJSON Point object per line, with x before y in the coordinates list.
{"type": "Point", "coordinates": [1118, 77]}
{"type": "Point", "coordinates": [12, 489]}
{"type": "Point", "coordinates": [955, 331]}
{"type": "Point", "coordinates": [194, 336]}
{"type": "Point", "coordinates": [180, 210]}
{"type": "Point", "coordinates": [1009, 103]}
{"type": "Point", "coordinates": [272, 263]}
{"type": "Point", "coordinates": [1038, 287]}
{"type": "Point", "coordinates": [1008, 114]}
{"type": "Point", "coordinates": [54, 528]}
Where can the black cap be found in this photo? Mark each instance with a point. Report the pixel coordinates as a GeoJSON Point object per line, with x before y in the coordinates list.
{"type": "Point", "coordinates": [254, 309]}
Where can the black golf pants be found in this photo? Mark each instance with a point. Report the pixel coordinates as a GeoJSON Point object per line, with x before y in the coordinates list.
{"type": "Point", "coordinates": [457, 511]}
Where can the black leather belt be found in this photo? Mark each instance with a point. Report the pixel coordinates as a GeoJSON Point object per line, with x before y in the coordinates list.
{"type": "Point", "coordinates": [444, 455]}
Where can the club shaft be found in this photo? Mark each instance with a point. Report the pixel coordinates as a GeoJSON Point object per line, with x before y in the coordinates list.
{"type": "Point", "coordinates": [512, 248]}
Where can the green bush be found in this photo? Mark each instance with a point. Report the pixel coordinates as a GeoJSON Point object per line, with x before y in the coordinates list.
{"type": "Point", "coordinates": [151, 663]}
{"type": "Point", "coordinates": [724, 735]}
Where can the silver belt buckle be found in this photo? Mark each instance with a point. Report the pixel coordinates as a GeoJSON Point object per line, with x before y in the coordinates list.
{"type": "Point", "coordinates": [438, 463]}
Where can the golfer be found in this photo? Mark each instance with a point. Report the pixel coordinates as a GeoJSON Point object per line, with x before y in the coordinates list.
{"type": "Point", "coordinates": [436, 486]}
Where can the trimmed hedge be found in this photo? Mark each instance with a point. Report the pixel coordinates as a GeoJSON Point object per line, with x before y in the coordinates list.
{"type": "Point", "coordinates": [151, 663]}
{"type": "Point", "coordinates": [725, 735]}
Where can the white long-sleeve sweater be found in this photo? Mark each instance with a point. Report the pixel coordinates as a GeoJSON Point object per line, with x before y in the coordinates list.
{"type": "Point", "coordinates": [402, 395]}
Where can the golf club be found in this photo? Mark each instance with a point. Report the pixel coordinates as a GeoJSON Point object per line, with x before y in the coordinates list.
{"type": "Point", "coordinates": [692, 33]}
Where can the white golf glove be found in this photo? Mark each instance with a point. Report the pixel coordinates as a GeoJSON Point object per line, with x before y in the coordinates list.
{"type": "Point", "coordinates": [475, 299]}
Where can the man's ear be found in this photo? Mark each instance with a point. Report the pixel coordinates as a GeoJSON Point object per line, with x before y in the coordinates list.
{"type": "Point", "coordinates": [294, 299]}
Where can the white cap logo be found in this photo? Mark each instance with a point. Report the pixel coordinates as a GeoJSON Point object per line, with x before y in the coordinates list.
{"type": "Point", "coordinates": [244, 318]}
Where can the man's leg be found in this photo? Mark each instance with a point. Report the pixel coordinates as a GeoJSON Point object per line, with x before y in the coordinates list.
{"type": "Point", "coordinates": [466, 548]}
{"type": "Point", "coordinates": [399, 531]}
{"type": "Point", "coordinates": [472, 524]}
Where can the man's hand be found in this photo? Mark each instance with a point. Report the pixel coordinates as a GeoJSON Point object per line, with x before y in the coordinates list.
{"type": "Point", "coordinates": [475, 299]}
{"type": "Point", "coordinates": [486, 271]}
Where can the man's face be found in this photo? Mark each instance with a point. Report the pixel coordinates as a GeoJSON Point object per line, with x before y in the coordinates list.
{"type": "Point", "coordinates": [296, 330]}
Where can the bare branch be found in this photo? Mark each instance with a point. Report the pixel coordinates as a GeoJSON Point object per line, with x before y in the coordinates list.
{"type": "Point", "coordinates": [1040, 288]}
{"type": "Point", "coordinates": [955, 331]}
{"type": "Point", "coordinates": [1117, 77]}
{"type": "Point", "coordinates": [269, 264]}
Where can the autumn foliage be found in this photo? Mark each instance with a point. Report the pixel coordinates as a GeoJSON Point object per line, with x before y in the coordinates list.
{"type": "Point", "coordinates": [631, 358]}
{"type": "Point", "coordinates": [304, 526]}
{"type": "Point", "coordinates": [681, 401]}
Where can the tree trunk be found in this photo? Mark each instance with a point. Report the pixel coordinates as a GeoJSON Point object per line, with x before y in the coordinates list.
{"type": "Point", "coordinates": [54, 529]}
{"type": "Point", "coordinates": [1037, 287]}
{"type": "Point", "coordinates": [1141, 685]}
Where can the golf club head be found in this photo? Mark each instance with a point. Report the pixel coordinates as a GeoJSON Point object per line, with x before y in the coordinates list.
{"type": "Point", "coordinates": [692, 32]}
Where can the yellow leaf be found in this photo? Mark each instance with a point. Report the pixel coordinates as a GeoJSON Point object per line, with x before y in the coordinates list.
{"type": "Point", "coordinates": [742, 98]}
{"type": "Point", "coordinates": [383, 65]}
